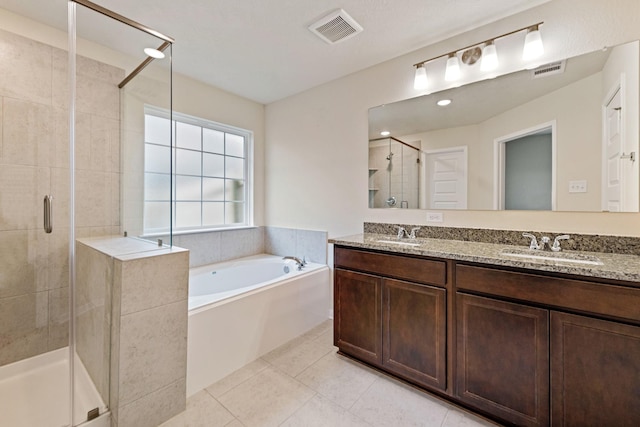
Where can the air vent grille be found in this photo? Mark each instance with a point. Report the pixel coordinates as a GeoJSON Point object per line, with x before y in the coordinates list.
{"type": "Point", "coordinates": [548, 69]}
{"type": "Point", "coordinates": [336, 27]}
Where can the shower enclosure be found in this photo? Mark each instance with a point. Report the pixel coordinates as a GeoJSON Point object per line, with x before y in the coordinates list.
{"type": "Point", "coordinates": [72, 155]}
{"type": "Point", "coordinates": [394, 174]}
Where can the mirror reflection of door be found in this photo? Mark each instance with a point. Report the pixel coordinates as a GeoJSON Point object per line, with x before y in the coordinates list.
{"type": "Point", "coordinates": [613, 149]}
{"type": "Point", "coordinates": [447, 178]}
{"type": "Point", "coordinates": [526, 174]}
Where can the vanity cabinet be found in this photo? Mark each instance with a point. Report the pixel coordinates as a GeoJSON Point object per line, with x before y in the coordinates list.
{"type": "Point", "coordinates": [394, 324]}
{"type": "Point", "coordinates": [503, 359]}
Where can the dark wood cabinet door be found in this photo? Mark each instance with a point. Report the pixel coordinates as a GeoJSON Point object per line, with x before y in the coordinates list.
{"type": "Point", "coordinates": [357, 317]}
{"type": "Point", "coordinates": [414, 332]}
{"type": "Point", "coordinates": [502, 359]}
{"type": "Point", "coordinates": [595, 372]}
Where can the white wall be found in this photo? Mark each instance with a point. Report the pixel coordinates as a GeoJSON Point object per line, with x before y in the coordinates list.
{"type": "Point", "coordinates": [317, 149]}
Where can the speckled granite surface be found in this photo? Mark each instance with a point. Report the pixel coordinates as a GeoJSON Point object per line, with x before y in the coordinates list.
{"type": "Point", "coordinates": [578, 242]}
{"type": "Point", "coordinates": [613, 266]}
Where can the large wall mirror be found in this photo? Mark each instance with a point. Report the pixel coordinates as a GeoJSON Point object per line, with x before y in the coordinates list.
{"type": "Point", "coordinates": [562, 137]}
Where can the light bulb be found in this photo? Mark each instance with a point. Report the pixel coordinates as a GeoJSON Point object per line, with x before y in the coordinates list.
{"type": "Point", "coordinates": [533, 47]}
{"type": "Point", "coordinates": [453, 68]}
{"type": "Point", "coordinates": [420, 80]}
{"type": "Point", "coordinates": [154, 53]}
{"type": "Point", "coordinates": [489, 58]}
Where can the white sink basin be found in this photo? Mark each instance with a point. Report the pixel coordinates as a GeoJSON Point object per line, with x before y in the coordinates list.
{"type": "Point", "coordinates": [399, 242]}
{"type": "Point", "coordinates": [568, 257]}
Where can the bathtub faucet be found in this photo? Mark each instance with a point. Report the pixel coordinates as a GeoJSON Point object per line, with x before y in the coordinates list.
{"type": "Point", "coordinates": [300, 262]}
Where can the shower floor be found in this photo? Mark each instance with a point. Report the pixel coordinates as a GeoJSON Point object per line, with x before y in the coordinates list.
{"type": "Point", "coordinates": [35, 392]}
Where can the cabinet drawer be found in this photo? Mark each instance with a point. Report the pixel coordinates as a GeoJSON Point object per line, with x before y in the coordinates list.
{"type": "Point", "coordinates": [599, 298]}
{"type": "Point", "coordinates": [401, 267]}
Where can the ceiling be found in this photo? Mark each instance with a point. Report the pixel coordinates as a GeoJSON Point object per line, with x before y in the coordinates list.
{"type": "Point", "coordinates": [263, 50]}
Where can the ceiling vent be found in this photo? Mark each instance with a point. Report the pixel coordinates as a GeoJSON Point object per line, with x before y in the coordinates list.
{"type": "Point", "coordinates": [548, 69]}
{"type": "Point", "coordinates": [336, 27]}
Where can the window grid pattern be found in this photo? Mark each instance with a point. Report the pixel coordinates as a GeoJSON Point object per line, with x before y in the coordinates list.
{"type": "Point", "coordinates": [210, 166]}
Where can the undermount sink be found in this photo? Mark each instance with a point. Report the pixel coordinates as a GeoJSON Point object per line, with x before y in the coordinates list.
{"type": "Point", "coordinates": [568, 257]}
{"type": "Point", "coordinates": [399, 242]}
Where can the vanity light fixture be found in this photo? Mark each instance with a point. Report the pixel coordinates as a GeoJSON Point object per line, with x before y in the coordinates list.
{"type": "Point", "coordinates": [452, 72]}
{"type": "Point", "coordinates": [420, 82]}
{"type": "Point", "coordinates": [385, 133]}
{"type": "Point", "coordinates": [444, 102]}
{"type": "Point", "coordinates": [154, 53]}
{"type": "Point", "coordinates": [533, 48]}
{"type": "Point", "coordinates": [489, 60]}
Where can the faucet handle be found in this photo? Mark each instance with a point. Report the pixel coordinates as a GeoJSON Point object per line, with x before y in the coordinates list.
{"type": "Point", "coordinates": [534, 241]}
{"type": "Point", "coordinates": [412, 235]}
{"type": "Point", "coordinates": [556, 242]}
{"type": "Point", "coordinates": [401, 231]}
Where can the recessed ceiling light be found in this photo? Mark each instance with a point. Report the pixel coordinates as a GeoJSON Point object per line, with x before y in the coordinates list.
{"type": "Point", "coordinates": [444, 102]}
{"type": "Point", "coordinates": [154, 53]}
{"type": "Point", "coordinates": [385, 133]}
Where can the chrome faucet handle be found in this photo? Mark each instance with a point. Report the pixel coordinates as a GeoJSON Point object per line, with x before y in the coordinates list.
{"type": "Point", "coordinates": [544, 243]}
{"type": "Point", "coordinates": [556, 242]}
{"type": "Point", "coordinates": [412, 235]}
{"type": "Point", "coordinates": [534, 241]}
{"type": "Point", "coordinates": [401, 232]}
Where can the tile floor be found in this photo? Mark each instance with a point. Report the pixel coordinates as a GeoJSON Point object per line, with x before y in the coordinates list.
{"type": "Point", "coordinates": [306, 383]}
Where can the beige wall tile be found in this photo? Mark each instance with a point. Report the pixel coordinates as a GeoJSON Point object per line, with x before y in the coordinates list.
{"type": "Point", "coordinates": [17, 264]}
{"type": "Point", "coordinates": [58, 318]}
{"type": "Point", "coordinates": [153, 346]}
{"type": "Point", "coordinates": [22, 189]}
{"type": "Point", "coordinates": [92, 198]}
{"type": "Point", "coordinates": [23, 326]}
{"type": "Point", "coordinates": [58, 254]}
{"type": "Point", "coordinates": [26, 71]}
{"type": "Point", "coordinates": [27, 133]}
{"type": "Point", "coordinates": [115, 199]}
{"type": "Point", "coordinates": [155, 408]}
{"type": "Point", "coordinates": [154, 281]}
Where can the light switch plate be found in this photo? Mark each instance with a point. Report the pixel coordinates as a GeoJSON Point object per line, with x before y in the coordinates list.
{"type": "Point", "coordinates": [434, 217]}
{"type": "Point", "coordinates": [578, 186]}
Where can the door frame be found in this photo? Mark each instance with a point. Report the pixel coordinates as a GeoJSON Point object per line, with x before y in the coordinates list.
{"type": "Point", "coordinates": [618, 86]}
{"type": "Point", "coordinates": [499, 161]}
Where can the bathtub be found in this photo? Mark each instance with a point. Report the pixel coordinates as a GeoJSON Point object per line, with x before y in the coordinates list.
{"type": "Point", "coordinates": [240, 310]}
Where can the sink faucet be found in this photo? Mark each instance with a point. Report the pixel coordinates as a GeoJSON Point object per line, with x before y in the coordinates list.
{"type": "Point", "coordinates": [534, 241]}
{"type": "Point", "coordinates": [556, 242]}
{"type": "Point", "coordinates": [401, 232]}
{"type": "Point", "coordinates": [412, 235]}
{"type": "Point", "coordinates": [299, 262]}
{"type": "Point", "coordinates": [544, 242]}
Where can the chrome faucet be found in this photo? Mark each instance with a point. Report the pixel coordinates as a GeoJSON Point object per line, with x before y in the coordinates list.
{"type": "Point", "coordinates": [299, 262]}
{"type": "Point", "coordinates": [534, 242]}
{"type": "Point", "coordinates": [401, 232]}
{"type": "Point", "coordinates": [556, 242]}
{"type": "Point", "coordinates": [412, 235]}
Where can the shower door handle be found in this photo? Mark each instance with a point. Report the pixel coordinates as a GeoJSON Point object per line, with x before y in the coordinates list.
{"type": "Point", "coordinates": [48, 219]}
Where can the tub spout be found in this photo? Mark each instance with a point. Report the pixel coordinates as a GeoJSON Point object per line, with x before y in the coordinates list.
{"type": "Point", "coordinates": [300, 263]}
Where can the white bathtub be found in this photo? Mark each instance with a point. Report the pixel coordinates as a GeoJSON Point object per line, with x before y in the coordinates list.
{"type": "Point", "coordinates": [240, 310]}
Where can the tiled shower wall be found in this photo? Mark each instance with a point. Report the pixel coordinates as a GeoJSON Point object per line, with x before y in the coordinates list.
{"type": "Point", "coordinates": [34, 161]}
{"type": "Point", "coordinates": [218, 246]}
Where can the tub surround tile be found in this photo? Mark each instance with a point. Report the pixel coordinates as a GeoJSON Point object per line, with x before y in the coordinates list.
{"type": "Point", "coordinates": [240, 243]}
{"type": "Point", "coordinates": [312, 245]}
{"type": "Point", "coordinates": [280, 241]}
{"type": "Point", "coordinates": [266, 399]}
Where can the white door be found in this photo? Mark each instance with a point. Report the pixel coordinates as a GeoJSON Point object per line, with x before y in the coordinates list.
{"type": "Point", "coordinates": [613, 149]}
{"type": "Point", "coordinates": [447, 178]}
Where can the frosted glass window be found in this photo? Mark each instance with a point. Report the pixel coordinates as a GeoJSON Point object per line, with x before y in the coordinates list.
{"type": "Point", "coordinates": [156, 130]}
{"type": "Point", "coordinates": [235, 145]}
{"type": "Point", "coordinates": [188, 188]}
{"type": "Point", "coordinates": [234, 168]}
{"type": "Point", "coordinates": [213, 189]}
{"type": "Point", "coordinates": [157, 158]}
{"type": "Point", "coordinates": [188, 136]}
{"type": "Point", "coordinates": [212, 141]}
{"type": "Point", "coordinates": [188, 214]}
{"type": "Point", "coordinates": [157, 186]}
{"type": "Point", "coordinates": [234, 190]}
{"type": "Point", "coordinates": [157, 215]}
{"type": "Point", "coordinates": [234, 213]}
{"type": "Point", "coordinates": [212, 213]}
{"type": "Point", "coordinates": [212, 165]}
{"type": "Point", "coordinates": [188, 162]}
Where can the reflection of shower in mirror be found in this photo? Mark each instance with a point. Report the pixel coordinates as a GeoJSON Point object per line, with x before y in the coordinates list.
{"type": "Point", "coordinates": [390, 156]}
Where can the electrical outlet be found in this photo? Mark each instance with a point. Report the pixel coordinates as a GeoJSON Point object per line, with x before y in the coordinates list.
{"type": "Point", "coordinates": [434, 217]}
{"type": "Point", "coordinates": [578, 186]}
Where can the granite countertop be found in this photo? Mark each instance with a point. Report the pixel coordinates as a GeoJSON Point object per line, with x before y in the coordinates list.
{"type": "Point", "coordinates": [613, 266]}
